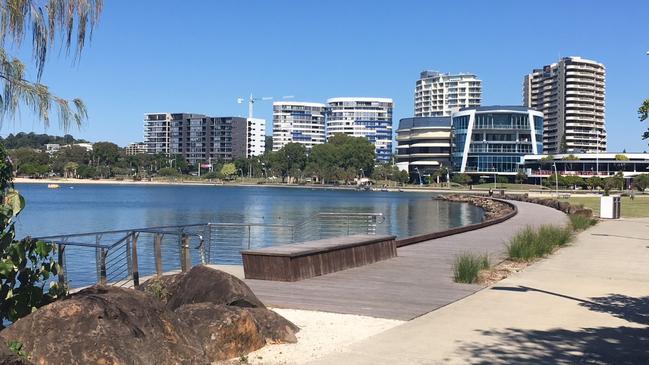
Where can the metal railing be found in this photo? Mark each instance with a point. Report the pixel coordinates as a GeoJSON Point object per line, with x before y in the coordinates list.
{"type": "Point", "coordinates": [122, 257]}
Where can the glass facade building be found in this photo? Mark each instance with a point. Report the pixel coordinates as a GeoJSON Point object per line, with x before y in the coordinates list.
{"type": "Point", "coordinates": [493, 139]}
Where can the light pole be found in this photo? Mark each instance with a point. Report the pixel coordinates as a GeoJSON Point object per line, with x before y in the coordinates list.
{"type": "Point", "coordinates": [556, 178]}
{"type": "Point", "coordinates": [419, 173]}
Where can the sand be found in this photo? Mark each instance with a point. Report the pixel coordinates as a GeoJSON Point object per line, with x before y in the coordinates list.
{"type": "Point", "coordinates": [321, 333]}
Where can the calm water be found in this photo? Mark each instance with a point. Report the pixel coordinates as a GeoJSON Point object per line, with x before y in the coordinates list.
{"type": "Point", "coordinates": [85, 208]}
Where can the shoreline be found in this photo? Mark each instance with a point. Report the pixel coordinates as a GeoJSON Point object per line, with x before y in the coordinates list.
{"type": "Point", "coordinates": [67, 181]}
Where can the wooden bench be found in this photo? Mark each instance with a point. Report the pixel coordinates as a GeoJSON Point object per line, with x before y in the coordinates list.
{"type": "Point", "coordinates": [299, 261]}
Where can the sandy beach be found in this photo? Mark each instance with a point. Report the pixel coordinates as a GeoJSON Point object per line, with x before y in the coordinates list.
{"type": "Point", "coordinates": [321, 334]}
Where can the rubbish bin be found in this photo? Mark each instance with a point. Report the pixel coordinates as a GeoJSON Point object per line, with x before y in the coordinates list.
{"type": "Point", "coordinates": [610, 207]}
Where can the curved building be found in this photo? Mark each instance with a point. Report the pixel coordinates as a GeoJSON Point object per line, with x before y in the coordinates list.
{"type": "Point", "coordinates": [363, 117]}
{"type": "Point", "coordinates": [298, 122]}
{"type": "Point", "coordinates": [424, 144]}
{"type": "Point", "coordinates": [494, 139]}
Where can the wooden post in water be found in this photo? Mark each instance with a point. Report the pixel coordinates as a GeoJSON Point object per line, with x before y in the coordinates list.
{"type": "Point", "coordinates": [135, 269]}
{"type": "Point", "coordinates": [185, 256]}
{"type": "Point", "coordinates": [157, 252]}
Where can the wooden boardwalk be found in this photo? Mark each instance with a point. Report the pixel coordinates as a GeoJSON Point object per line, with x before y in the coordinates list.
{"type": "Point", "coordinates": [416, 282]}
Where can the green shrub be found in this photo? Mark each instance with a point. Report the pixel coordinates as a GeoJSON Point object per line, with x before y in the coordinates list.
{"type": "Point", "coordinates": [532, 243]}
{"type": "Point", "coordinates": [467, 266]}
{"type": "Point", "coordinates": [580, 222]}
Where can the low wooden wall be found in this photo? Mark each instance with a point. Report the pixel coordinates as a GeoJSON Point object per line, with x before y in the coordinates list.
{"type": "Point", "coordinates": [449, 232]}
{"type": "Point", "coordinates": [304, 260]}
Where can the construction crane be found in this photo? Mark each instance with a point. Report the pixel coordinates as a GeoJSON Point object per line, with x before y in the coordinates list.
{"type": "Point", "coordinates": [252, 100]}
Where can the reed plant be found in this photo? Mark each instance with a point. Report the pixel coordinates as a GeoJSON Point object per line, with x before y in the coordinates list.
{"type": "Point", "coordinates": [467, 266]}
{"type": "Point", "coordinates": [532, 243]}
{"type": "Point", "coordinates": [580, 222]}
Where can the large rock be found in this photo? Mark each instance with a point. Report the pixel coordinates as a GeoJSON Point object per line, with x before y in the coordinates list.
{"type": "Point", "coordinates": [8, 357]}
{"type": "Point", "coordinates": [106, 325]}
{"type": "Point", "coordinates": [225, 332]}
{"type": "Point", "coordinates": [162, 287]}
{"type": "Point", "coordinates": [274, 328]}
{"type": "Point", "coordinates": [202, 284]}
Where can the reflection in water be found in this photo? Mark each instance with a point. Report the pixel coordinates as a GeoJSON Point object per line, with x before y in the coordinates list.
{"type": "Point", "coordinates": [86, 208]}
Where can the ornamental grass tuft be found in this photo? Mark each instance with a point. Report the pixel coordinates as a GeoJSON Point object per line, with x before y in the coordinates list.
{"type": "Point", "coordinates": [467, 266]}
{"type": "Point", "coordinates": [532, 243]}
{"type": "Point", "coordinates": [580, 222]}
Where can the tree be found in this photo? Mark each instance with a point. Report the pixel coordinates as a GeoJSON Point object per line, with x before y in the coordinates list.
{"type": "Point", "coordinates": [70, 169]}
{"type": "Point", "coordinates": [462, 179]}
{"type": "Point", "coordinates": [168, 172]}
{"type": "Point", "coordinates": [290, 160]}
{"type": "Point", "coordinates": [105, 153]}
{"type": "Point", "coordinates": [228, 170]}
{"type": "Point", "coordinates": [643, 114]}
{"type": "Point", "coordinates": [355, 153]}
{"type": "Point", "coordinates": [323, 162]}
{"type": "Point", "coordinates": [26, 265]}
{"type": "Point", "coordinates": [594, 182]}
{"type": "Point", "coordinates": [521, 176]}
{"type": "Point", "coordinates": [641, 182]}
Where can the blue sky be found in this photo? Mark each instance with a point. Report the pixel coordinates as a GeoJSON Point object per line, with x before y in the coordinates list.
{"type": "Point", "coordinates": [199, 56]}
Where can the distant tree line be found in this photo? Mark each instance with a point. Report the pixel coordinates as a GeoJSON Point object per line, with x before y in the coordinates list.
{"type": "Point", "coordinates": [33, 140]}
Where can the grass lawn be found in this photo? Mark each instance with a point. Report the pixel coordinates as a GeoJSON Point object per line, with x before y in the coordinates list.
{"type": "Point", "coordinates": [508, 186]}
{"type": "Point", "coordinates": [639, 207]}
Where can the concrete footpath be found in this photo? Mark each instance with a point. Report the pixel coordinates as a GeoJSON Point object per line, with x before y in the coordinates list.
{"type": "Point", "coordinates": [586, 304]}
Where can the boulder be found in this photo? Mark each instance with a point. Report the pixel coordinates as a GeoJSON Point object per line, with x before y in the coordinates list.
{"type": "Point", "coordinates": [162, 287]}
{"type": "Point", "coordinates": [202, 284]}
{"type": "Point", "coordinates": [106, 325]}
{"type": "Point", "coordinates": [224, 332]}
{"type": "Point", "coordinates": [274, 328]}
{"type": "Point", "coordinates": [8, 357]}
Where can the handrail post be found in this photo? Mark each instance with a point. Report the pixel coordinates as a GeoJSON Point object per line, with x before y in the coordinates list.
{"type": "Point", "coordinates": [129, 260]}
{"type": "Point", "coordinates": [61, 259]}
{"type": "Point", "coordinates": [134, 264]}
{"type": "Point", "coordinates": [102, 266]}
{"type": "Point", "coordinates": [185, 257]}
{"type": "Point", "coordinates": [248, 236]}
{"type": "Point", "coordinates": [157, 252]}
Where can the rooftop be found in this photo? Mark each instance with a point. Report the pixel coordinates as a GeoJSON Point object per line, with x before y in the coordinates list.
{"type": "Point", "coordinates": [419, 122]}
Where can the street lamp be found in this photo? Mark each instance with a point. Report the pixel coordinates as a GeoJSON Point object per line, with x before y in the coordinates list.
{"type": "Point", "coordinates": [419, 173]}
{"type": "Point", "coordinates": [556, 178]}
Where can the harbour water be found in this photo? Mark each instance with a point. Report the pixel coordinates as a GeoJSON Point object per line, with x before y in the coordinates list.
{"type": "Point", "coordinates": [86, 208]}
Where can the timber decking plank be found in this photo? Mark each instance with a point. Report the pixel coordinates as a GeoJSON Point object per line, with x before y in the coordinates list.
{"type": "Point", "coordinates": [415, 282]}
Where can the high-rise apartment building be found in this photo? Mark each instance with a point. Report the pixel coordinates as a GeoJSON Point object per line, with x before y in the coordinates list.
{"type": "Point", "coordinates": [363, 117]}
{"type": "Point", "coordinates": [201, 139]}
{"type": "Point", "coordinates": [571, 95]}
{"type": "Point", "coordinates": [298, 122]}
{"type": "Point", "coordinates": [255, 137]}
{"type": "Point", "coordinates": [157, 133]}
{"type": "Point", "coordinates": [439, 94]}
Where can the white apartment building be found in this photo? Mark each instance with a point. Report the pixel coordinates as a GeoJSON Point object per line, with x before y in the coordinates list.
{"type": "Point", "coordinates": [571, 95]}
{"type": "Point", "coordinates": [298, 122]}
{"type": "Point", "coordinates": [157, 132]}
{"type": "Point", "coordinates": [363, 117]}
{"type": "Point", "coordinates": [256, 137]}
{"type": "Point", "coordinates": [441, 94]}
{"type": "Point", "coordinates": [135, 148]}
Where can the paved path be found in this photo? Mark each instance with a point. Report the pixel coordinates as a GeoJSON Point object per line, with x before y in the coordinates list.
{"type": "Point", "coordinates": [587, 304]}
{"type": "Point", "coordinates": [416, 282]}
